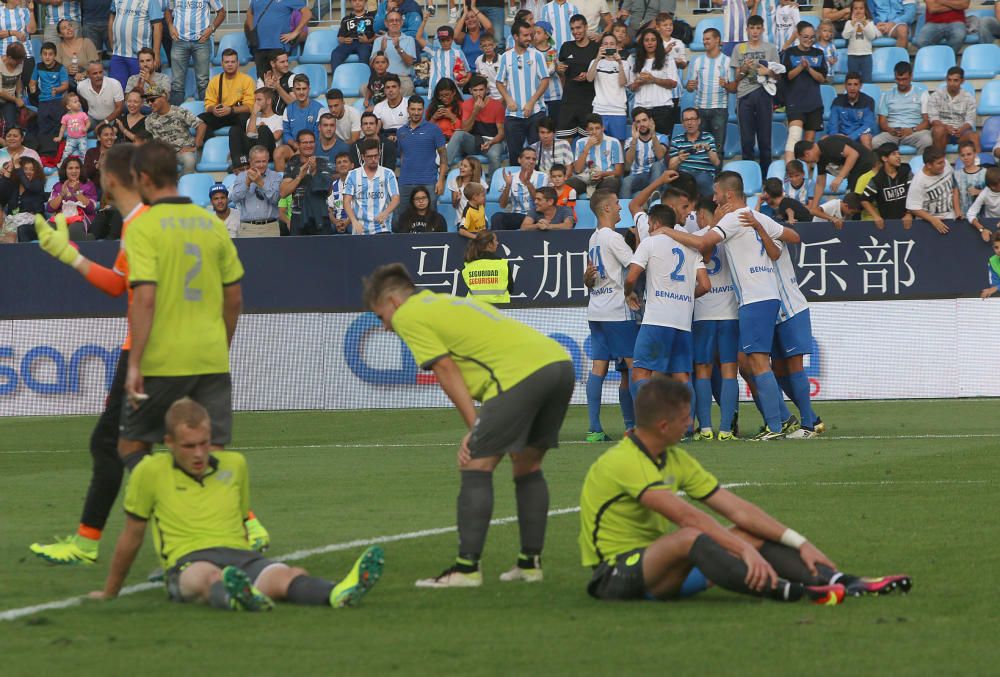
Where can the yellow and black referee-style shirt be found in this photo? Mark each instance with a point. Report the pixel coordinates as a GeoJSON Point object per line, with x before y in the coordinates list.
{"type": "Point", "coordinates": [612, 520]}
{"type": "Point", "coordinates": [190, 514]}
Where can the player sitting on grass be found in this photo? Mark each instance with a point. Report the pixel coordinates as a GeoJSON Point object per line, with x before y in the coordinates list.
{"type": "Point", "coordinates": [644, 542]}
{"type": "Point", "coordinates": [524, 380]}
{"type": "Point", "coordinates": [197, 501]}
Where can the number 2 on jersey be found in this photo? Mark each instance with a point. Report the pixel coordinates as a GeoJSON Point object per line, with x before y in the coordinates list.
{"type": "Point", "coordinates": [677, 275]}
{"type": "Point", "coordinates": [192, 293]}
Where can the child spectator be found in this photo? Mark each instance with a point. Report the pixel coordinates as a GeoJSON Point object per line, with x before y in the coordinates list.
{"type": "Point", "coordinates": [374, 91]}
{"type": "Point", "coordinates": [972, 179]}
{"type": "Point", "coordinates": [795, 185]}
{"type": "Point", "coordinates": [421, 217]}
{"type": "Point", "coordinates": [885, 195]}
{"type": "Point", "coordinates": [620, 32]}
{"type": "Point", "coordinates": [987, 203]}
{"type": "Point", "coordinates": [49, 81]}
{"type": "Point", "coordinates": [543, 43]}
{"type": "Point", "coordinates": [470, 170]}
{"type": "Point", "coordinates": [565, 193]}
{"type": "Point", "coordinates": [356, 35]}
{"type": "Point", "coordinates": [824, 42]}
{"type": "Point", "coordinates": [73, 126]}
{"type": "Point", "coordinates": [860, 31]}
{"type": "Point", "coordinates": [784, 208]}
{"type": "Point", "coordinates": [994, 268]}
{"type": "Point", "coordinates": [838, 210]}
{"type": "Point", "coordinates": [487, 62]}
{"type": "Point", "coordinates": [786, 18]}
{"type": "Point", "coordinates": [474, 214]}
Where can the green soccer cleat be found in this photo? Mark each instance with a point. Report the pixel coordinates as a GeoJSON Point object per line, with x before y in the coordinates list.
{"type": "Point", "coordinates": [790, 425]}
{"type": "Point", "coordinates": [242, 595]}
{"type": "Point", "coordinates": [363, 576]}
{"type": "Point", "coordinates": [599, 436]}
{"type": "Point", "coordinates": [726, 437]}
{"type": "Point", "coordinates": [705, 434]}
{"type": "Point", "coordinates": [73, 549]}
{"type": "Point", "coordinates": [257, 535]}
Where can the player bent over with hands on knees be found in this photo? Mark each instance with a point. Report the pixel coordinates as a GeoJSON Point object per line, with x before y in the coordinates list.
{"type": "Point", "coordinates": [644, 542]}
{"type": "Point", "coordinates": [197, 500]}
{"type": "Point", "coordinates": [524, 381]}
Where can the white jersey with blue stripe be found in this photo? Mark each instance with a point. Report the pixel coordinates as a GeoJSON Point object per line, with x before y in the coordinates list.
{"type": "Point", "coordinates": [604, 156]}
{"type": "Point", "coordinates": [671, 277]}
{"type": "Point", "coordinates": [645, 158]}
{"type": "Point", "coordinates": [752, 269]}
{"type": "Point", "coordinates": [720, 302]}
{"type": "Point", "coordinates": [69, 10]}
{"type": "Point", "coordinates": [132, 27]}
{"type": "Point", "coordinates": [558, 14]}
{"type": "Point", "coordinates": [191, 18]}
{"type": "Point", "coordinates": [443, 65]}
{"type": "Point", "coordinates": [15, 19]}
{"type": "Point", "coordinates": [608, 252]}
{"type": "Point", "coordinates": [708, 71]}
{"type": "Point", "coordinates": [522, 197]}
{"type": "Point", "coordinates": [370, 196]}
{"type": "Point", "coordinates": [554, 92]}
{"type": "Point", "coordinates": [522, 74]}
{"type": "Point", "coordinates": [793, 301]}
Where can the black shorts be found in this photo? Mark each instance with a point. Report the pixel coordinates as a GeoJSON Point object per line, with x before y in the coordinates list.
{"type": "Point", "coordinates": [573, 117]}
{"type": "Point", "coordinates": [212, 391]}
{"type": "Point", "coordinates": [811, 121]}
{"type": "Point", "coordinates": [250, 561]}
{"type": "Point", "coordinates": [528, 415]}
{"type": "Point", "coordinates": [621, 580]}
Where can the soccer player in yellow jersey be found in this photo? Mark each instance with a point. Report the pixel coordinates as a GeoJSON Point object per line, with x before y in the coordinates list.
{"type": "Point", "coordinates": [197, 501]}
{"type": "Point", "coordinates": [524, 381]}
{"type": "Point", "coordinates": [644, 542]}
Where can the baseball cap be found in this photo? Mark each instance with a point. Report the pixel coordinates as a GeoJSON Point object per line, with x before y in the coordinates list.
{"type": "Point", "coordinates": [154, 92]}
{"type": "Point", "coordinates": [545, 26]}
{"type": "Point", "coordinates": [218, 188]}
{"type": "Point", "coordinates": [445, 32]}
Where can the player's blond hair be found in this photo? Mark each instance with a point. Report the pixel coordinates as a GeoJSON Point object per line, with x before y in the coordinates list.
{"type": "Point", "coordinates": [392, 277]}
{"type": "Point", "coordinates": [185, 412]}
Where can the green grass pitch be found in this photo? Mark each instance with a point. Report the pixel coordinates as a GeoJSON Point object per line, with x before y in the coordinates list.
{"type": "Point", "coordinates": [893, 487]}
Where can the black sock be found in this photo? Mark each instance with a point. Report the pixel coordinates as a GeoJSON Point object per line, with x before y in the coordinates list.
{"type": "Point", "coordinates": [532, 511]}
{"type": "Point", "coordinates": [106, 472]}
{"type": "Point", "coordinates": [218, 598]}
{"type": "Point", "coordinates": [788, 564]}
{"type": "Point", "coordinates": [309, 590]}
{"type": "Point", "coordinates": [730, 572]}
{"type": "Point", "coordinates": [475, 509]}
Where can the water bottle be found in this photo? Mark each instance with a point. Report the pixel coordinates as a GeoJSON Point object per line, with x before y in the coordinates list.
{"type": "Point", "coordinates": [75, 62]}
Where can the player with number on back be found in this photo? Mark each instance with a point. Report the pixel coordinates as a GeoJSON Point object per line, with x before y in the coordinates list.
{"type": "Point", "coordinates": [675, 275]}
{"type": "Point", "coordinates": [613, 328]}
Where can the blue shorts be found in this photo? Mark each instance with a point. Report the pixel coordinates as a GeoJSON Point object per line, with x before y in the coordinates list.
{"type": "Point", "coordinates": [664, 349]}
{"type": "Point", "coordinates": [793, 336]}
{"type": "Point", "coordinates": [716, 337]}
{"type": "Point", "coordinates": [612, 340]}
{"type": "Point", "coordinates": [616, 126]}
{"type": "Point", "coordinates": [757, 321]}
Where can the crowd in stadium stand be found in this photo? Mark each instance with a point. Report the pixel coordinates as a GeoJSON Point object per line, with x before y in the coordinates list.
{"type": "Point", "coordinates": [498, 120]}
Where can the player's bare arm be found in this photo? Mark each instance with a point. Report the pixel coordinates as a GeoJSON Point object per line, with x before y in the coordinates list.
{"type": "Point", "coordinates": [232, 306]}
{"type": "Point", "coordinates": [703, 283]}
{"type": "Point", "coordinates": [141, 320]}
{"type": "Point", "coordinates": [704, 244]}
{"type": "Point", "coordinates": [634, 271]}
{"type": "Point", "coordinates": [125, 552]}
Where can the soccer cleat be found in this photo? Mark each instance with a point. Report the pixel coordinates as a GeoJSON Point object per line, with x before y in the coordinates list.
{"type": "Point", "coordinates": [882, 585]}
{"type": "Point", "coordinates": [726, 437]}
{"type": "Point", "coordinates": [767, 436]}
{"type": "Point", "coordinates": [242, 595]}
{"type": "Point", "coordinates": [453, 577]}
{"type": "Point", "coordinates": [598, 436]}
{"type": "Point", "coordinates": [363, 576]}
{"type": "Point", "coordinates": [791, 424]}
{"type": "Point", "coordinates": [736, 424]}
{"type": "Point", "coordinates": [802, 434]}
{"type": "Point", "coordinates": [257, 535]}
{"type": "Point", "coordinates": [73, 549]}
{"type": "Point", "coordinates": [826, 595]}
{"type": "Point", "coordinates": [704, 434]}
{"type": "Point", "coordinates": [819, 426]}
{"type": "Point", "coordinates": [527, 569]}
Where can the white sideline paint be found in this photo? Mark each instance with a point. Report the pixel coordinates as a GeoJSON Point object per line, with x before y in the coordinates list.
{"type": "Point", "coordinates": [930, 436]}
{"type": "Point", "coordinates": [14, 614]}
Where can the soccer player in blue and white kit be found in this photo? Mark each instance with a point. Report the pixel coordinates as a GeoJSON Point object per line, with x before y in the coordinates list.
{"type": "Point", "coordinates": [132, 25]}
{"type": "Point", "coordinates": [613, 328]}
{"type": "Point", "coordinates": [371, 193]}
{"type": "Point", "coordinates": [675, 275]}
{"type": "Point", "coordinates": [756, 286]}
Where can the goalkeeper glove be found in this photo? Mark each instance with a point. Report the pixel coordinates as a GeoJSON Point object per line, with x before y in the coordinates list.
{"type": "Point", "coordinates": [55, 241]}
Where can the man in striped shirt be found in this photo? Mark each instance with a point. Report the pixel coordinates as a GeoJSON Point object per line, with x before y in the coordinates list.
{"type": "Point", "coordinates": [551, 150]}
{"type": "Point", "coordinates": [57, 11]}
{"type": "Point", "coordinates": [191, 24]}
{"type": "Point", "coordinates": [645, 151]}
{"type": "Point", "coordinates": [599, 159]}
{"type": "Point", "coordinates": [132, 25]}
{"type": "Point", "coordinates": [709, 76]}
{"type": "Point", "coordinates": [371, 193]}
{"type": "Point", "coordinates": [695, 152]}
{"type": "Point", "coordinates": [557, 13]}
{"type": "Point", "coordinates": [522, 79]}
{"type": "Point", "coordinates": [518, 194]}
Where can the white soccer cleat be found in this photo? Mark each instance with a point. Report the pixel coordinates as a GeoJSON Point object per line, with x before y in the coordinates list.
{"type": "Point", "coordinates": [802, 434]}
{"type": "Point", "coordinates": [533, 575]}
{"type": "Point", "coordinates": [453, 578]}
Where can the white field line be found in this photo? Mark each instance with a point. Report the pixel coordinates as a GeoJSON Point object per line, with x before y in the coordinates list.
{"type": "Point", "coordinates": [374, 445]}
{"type": "Point", "coordinates": [14, 614]}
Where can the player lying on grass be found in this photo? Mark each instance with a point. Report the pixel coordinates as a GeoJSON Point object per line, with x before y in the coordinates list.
{"type": "Point", "coordinates": [524, 380]}
{"type": "Point", "coordinates": [644, 542]}
{"type": "Point", "coordinates": [197, 501]}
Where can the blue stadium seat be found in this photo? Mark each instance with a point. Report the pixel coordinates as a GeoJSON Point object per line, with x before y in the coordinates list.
{"type": "Point", "coordinates": [228, 180]}
{"type": "Point", "coordinates": [51, 182]}
{"type": "Point", "coordinates": [687, 99]}
{"type": "Point", "coordinates": [841, 189]}
{"type": "Point", "coordinates": [359, 104]}
{"type": "Point", "coordinates": [932, 63]}
{"type": "Point", "coordinates": [989, 134]}
{"type": "Point", "coordinates": [319, 45]}
{"type": "Point", "coordinates": [626, 219]}
{"type": "Point", "coordinates": [36, 49]}
{"type": "Point", "coordinates": [829, 94]}
{"type": "Point", "coordinates": [840, 68]}
{"type": "Point", "coordinates": [585, 217]}
{"type": "Point", "coordinates": [750, 171]}
{"type": "Point", "coordinates": [813, 19]}
{"type": "Point", "coordinates": [678, 129]}
{"type": "Point", "coordinates": [776, 170]}
{"type": "Point", "coordinates": [708, 22]}
{"type": "Point", "coordinates": [222, 131]}
{"type": "Point", "coordinates": [872, 90]}
{"type": "Point", "coordinates": [917, 163]}
{"type": "Point", "coordinates": [349, 77]}
{"type": "Point", "coordinates": [214, 155]}
{"type": "Point", "coordinates": [981, 61]}
{"type": "Point", "coordinates": [732, 148]}
{"type": "Point", "coordinates": [234, 40]}
{"type": "Point", "coordinates": [732, 110]}
{"type": "Point", "coordinates": [190, 85]}
{"type": "Point", "coordinates": [989, 99]}
{"type": "Point", "coordinates": [317, 77]}
{"type": "Point", "coordinates": [196, 187]}
{"type": "Point", "coordinates": [883, 41]}
{"type": "Point", "coordinates": [496, 182]}
{"type": "Point", "coordinates": [884, 60]}
{"type": "Point", "coordinates": [252, 71]}
{"type": "Point", "coordinates": [445, 209]}
{"type": "Point", "coordinates": [196, 107]}
{"type": "Point", "coordinates": [779, 137]}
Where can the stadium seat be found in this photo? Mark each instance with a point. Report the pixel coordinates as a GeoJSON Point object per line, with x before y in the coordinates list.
{"type": "Point", "coordinates": [626, 217]}
{"type": "Point", "coordinates": [872, 90]}
{"type": "Point", "coordinates": [709, 22]}
{"type": "Point", "coordinates": [222, 131]}
{"type": "Point", "coordinates": [196, 107]}
{"type": "Point", "coordinates": [317, 78]}
{"type": "Point", "coordinates": [677, 130]}
{"type": "Point", "coordinates": [228, 180]}
{"type": "Point", "coordinates": [779, 137]}
{"type": "Point", "coordinates": [196, 187]}
{"type": "Point", "coordinates": [884, 60]}
{"type": "Point", "coordinates": [932, 63]}
{"type": "Point", "coordinates": [776, 170]}
{"type": "Point", "coordinates": [585, 217]}
{"type": "Point", "coordinates": [829, 94]}
{"type": "Point", "coordinates": [733, 147]}
{"type": "Point", "coordinates": [981, 61]}
{"type": "Point", "coordinates": [359, 104]}
{"type": "Point", "coordinates": [51, 182]}
{"type": "Point", "coordinates": [990, 133]}
{"type": "Point", "coordinates": [214, 155]}
{"type": "Point", "coordinates": [234, 40]}
{"type": "Point", "coordinates": [349, 77]}
{"type": "Point", "coordinates": [813, 19]}
{"type": "Point", "coordinates": [989, 99]}
{"type": "Point", "coordinates": [496, 182]}
{"type": "Point", "coordinates": [883, 41]}
{"type": "Point", "coordinates": [687, 99]}
{"type": "Point", "coordinates": [447, 212]}
{"type": "Point", "coordinates": [841, 189]}
{"type": "Point", "coordinates": [917, 163]}
{"type": "Point", "coordinates": [750, 171]}
{"type": "Point", "coordinates": [319, 46]}
{"type": "Point", "coordinates": [732, 110]}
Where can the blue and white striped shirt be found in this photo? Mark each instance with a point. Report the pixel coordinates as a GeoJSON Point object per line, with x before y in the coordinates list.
{"type": "Point", "coordinates": [558, 15]}
{"type": "Point", "coordinates": [604, 156]}
{"type": "Point", "coordinates": [767, 9]}
{"type": "Point", "coordinates": [734, 27]}
{"type": "Point", "coordinates": [522, 197]}
{"type": "Point", "coordinates": [70, 10]}
{"type": "Point", "coordinates": [443, 65]}
{"type": "Point", "coordinates": [371, 196]}
{"type": "Point", "coordinates": [15, 20]}
{"type": "Point", "coordinates": [522, 74]}
{"type": "Point", "coordinates": [708, 71]}
{"type": "Point", "coordinates": [645, 158]}
{"type": "Point", "coordinates": [193, 17]}
{"type": "Point", "coordinates": [132, 26]}
{"type": "Point", "coordinates": [555, 88]}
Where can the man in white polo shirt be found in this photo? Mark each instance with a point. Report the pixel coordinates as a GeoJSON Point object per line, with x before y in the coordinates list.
{"type": "Point", "coordinates": [391, 112]}
{"type": "Point", "coordinates": [104, 96]}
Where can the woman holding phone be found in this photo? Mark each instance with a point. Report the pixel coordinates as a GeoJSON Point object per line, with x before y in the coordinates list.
{"type": "Point", "coordinates": [610, 77]}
